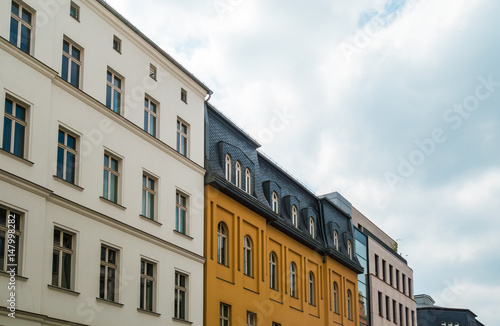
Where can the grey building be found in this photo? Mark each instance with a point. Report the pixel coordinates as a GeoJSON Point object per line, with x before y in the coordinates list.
{"type": "Point", "coordinates": [428, 314]}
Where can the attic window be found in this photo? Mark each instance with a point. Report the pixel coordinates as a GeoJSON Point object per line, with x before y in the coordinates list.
{"type": "Point", "coordinates": [74, 11]}
{"type": "Point", "coordinates": [184, 95]}
{"type": "Point", "coordinates": [152, 72]}
{"type": "Point", "coordinates": [117, 44]}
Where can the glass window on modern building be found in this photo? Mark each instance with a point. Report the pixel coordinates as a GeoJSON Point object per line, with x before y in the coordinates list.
{"type": "Point", "coordinates": [364, 295]}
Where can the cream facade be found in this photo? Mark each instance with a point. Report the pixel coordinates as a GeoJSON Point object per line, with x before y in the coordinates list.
{"type": "Point", "coordinates": [101, 168]}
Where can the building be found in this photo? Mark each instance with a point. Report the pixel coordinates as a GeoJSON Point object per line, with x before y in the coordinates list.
{"type": "Point", "coordinates": [276, 254]}
{"type": "Point", "coordinates": [429, 314]}
{"type": "Point", "coordinates": [101, 171]}
{"type": "Point", "coordinates": [386, 288]}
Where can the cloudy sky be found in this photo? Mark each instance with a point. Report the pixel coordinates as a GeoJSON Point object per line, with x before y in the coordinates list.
{"type": "Point", "coordinates": [393, 103]}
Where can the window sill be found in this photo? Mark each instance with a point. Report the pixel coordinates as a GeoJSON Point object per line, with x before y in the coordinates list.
{"type": "Point", "coordinates": [112, 303]}
{"type": "Point", "coordinates": [68, 183]}
{"type": "Point", "coordinates": [112, 203]}
{"type": "Point", "coordinates": [182, 321]}
{"type": "Point", "coordinates": [18, 277]}
{"type": "Point", "coordinates": [63, 290]}
{"type": "Point", "coordinates": [150, 220]}
{"type": "Point", "coordinates": [152, 313]}
{"type": "Point", "coordinates": [183, 235]}
{"type": "Point", "coordinates": [15, 157]}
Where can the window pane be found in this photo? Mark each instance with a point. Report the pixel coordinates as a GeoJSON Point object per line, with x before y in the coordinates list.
{"type": "Point", "coordinates": [111, 256]}
{"type": "Point", "coordinates": [20, 113]}
{"type": "Point", "coordinates": [14, 8]}
{"type": "Point", "coordinates": [105, 184]}
{"type": "Point", "coordinates": [14, 29]}
{"type": "Point", "coordinates": [142, 294]}
{"type": "Point", "coordinates": [146, 115]}
{"type": "Point", "coordinates": [152, 127]}
{"type": "Point", "coordinates": [71, 142]}
{"type": "Point", "coordinates": [182, 297]}
{"type": "Point", "coordinates": [111, 284]}
{"type": "Point", "coordinates": [66, 271]}
{"type": "Point", "coordinates": [75, 74]}
{"type": "Point", "coordinates": [114, 188]}
{"type": "Point", "coordinates": [151, 206]}
{"type": "Point", "coordinates": [7, 134]}
{"type": "Point", "coordinates": [19, 140]}
{"type": "Point", "coordinates": [70, 167]}
{"type": "Point", "coordinates": [66, 46]}
{"type": "Point", "coordinates": [55, 267]}
{"type": "Point", "coordinates": [25, 38]}
{"type": "Point", "coordinates": [149, 295]}
{"type": "Point", "coordinates": [26, 16]}
{"type": "Point", "coordinates": [144, 202]}
{"type": "Point", "coordinates": [102, 281]}
{"type": "Point", "coordinates": [118, 82]}
{"type": "Point", "coordinates": [108, 97]}
{"type": "Point", "coordinates": [103, 253]}
{"type": "Point", "coordinates": [64, 70]}
{"type": "Point", "coordinates": [149, 269]}
{"type": "Point", "coordinates": [75, 53]}
{"type": "Point", "coordinates": [2, 250]}
{"type": "Point", "coordinates": [67, 241]}
{"type": "Point", "coordinates": [116, 101]}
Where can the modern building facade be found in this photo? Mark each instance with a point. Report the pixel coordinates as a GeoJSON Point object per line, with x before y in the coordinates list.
{"type": "Point", "coordinates": [276, 254]}
{"type": "Point", "coordinates": [101, 171]}
{"type": "Point", "coordinates": [428, 314]}
{"type": "Point", "coordinates": [386, 288]}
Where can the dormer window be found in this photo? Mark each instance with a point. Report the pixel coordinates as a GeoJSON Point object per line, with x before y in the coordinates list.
{"type": "Point", "coordinates": [275, 202]}
{"type": "Point", "coordinates": [228, 167]}
{"type": "Point", "coordinates": [295, 216]}
{"type": "Point", "coordinates": [312, 227]}
{"type": "Point", "coordinates": [248, 181]}
{"type": "Point", "coordinates": [238, 174]}
{"type": "Point", "coordinates": [349, 248]}
{"type": "Point", "coordinates": [336, 240]}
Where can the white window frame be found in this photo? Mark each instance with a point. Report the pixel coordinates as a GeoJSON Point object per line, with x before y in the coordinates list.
{"type": "Point", "coordinates": [15, 120]}
{"type": "Point", "coordinates": [114, 88]}
{"type": "Point", "coordinates": [179, 289]}
{"type": "Point", "coordinates": [76, 8]}
{"type": "Point", "coordinates": [179, 207]}
{"type": "Point", "coordinates": [275, 202]}
{"type": "Point", "coordinates": [311, 288]}
{"type": "Point", "coordinates": [71, 59]}
{"type": "Point", "coordinates": [248, 181]}
{"type": "Point", "coordinates": [182, 136]}
{"type": "Point", "coordinates": [66, 149]}
{"type": "Point", "coordinates": [349, 304]}
{"type": "Point", "coordinates": [148, 103]}
{"type": "Point", "coordinates": [107, 267]}
{"type": "Point", "coordinates": [228, 167]}
{"type": "Point", "coordinates": [293, 280]}
{"type": "Point", "coordinates": [145, 278]}
{"type": "Point", "coordinates": [153, 71]}
{"type": "Point", "coordinates": [116, 173]}
{"type": "Point", "coordinates": [146, 192]}
{"type": "Point", "coordinates": [312, 227]}
{"type": "Point", "coordinates": [237, 170]}
{"type": "Point", "coordinates": [349, 248]}
{"type": "Point", "coordinates": [224, 314]}
{"type": "Point", "coordinates": [336, 239]}
{"type": "Point", "coordinates": [70, 251]}
{"type": "Point", "coordinates": [117, 44]}
{"type": "Point", "coordinates": [247, 256]}
{"type": "Point", "coordinates": [251, 318]}
{"type": "Point", "coordinates": [295, 216]}
{"type": "Point", "coordinates": [15, 246]}
{"type": "Point", "coordinates": [21, 22]}
{"type": "Point", "coordinates": [335, 298]}
{"type": "Point", "coordinates": [222, 244]}
{"type": "Point", "coordinates": [273, 271]}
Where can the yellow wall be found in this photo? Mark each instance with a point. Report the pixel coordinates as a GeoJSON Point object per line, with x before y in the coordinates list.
{"type": "Point", "coordinates": [228, 284]}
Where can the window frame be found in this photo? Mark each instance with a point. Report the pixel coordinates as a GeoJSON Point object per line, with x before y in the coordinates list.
{"type": "Point", "coordinates": [153, 72]}
{"type": "Point", "coordinates": [107, 267]}
{"type": "Point", "coordinates": [66, 149]}
{"type": "Point", "coordinates": [61, 250]}
{"type": "Point", "coordinates": [18, 245]}
{"type": "Point", "coordinates": [147, 191]}
{"type": "Point", "coordinates": [150, 114]}
{"type": "Point", "coordinates": [349, 249]}
{"type": "Point", "coordinates": [222, 244]}
{"type": "Point", "coordinates": [251, 318]}
{"type": "Point", "coordinates": [22, 23]}
{"type": "Point", "coordinates": [184, 95]}
{"type": "Point", "coordinates": [311, 289]}
{"type": "Point", "coordinates": [336, 239]}
{"type": "Point", "coordinates": [110, 172]}
{"type": "Point", "coordinates": [312, 227]}
{"type": "Point", "coordinates": [112, 89]}
{"type": "Point", "coordinates": [248, 181]}
{"type": "Point", "coordinates": [273, 271]}
{"type": "Point", "coordinates": [182, 136]}
{"type": "Point", "coordinates": [143, 302]}
{"type": "Point", "coordinates": [237, 174]}
{"type": "Point", "coordinates": [293, 280]}
{"type": "Point", "coordinates": [275, 202]}
{"type": "Point", "coordinates": [228, 164]}
{"type": "Point", "coordinates": [224, 319]}
{"type": "Point", "coordinates": [295, 216]}
{"type": "Point", "coordinates": [77, 11]}
{"type": "Point", "coordinates": [179, 207]}
{"type": "Point", "coordinates": [72, 59]}
{"type": "Point", "coordinates": [349, 305]}
{"type": "Point", "coordinates": [14, 121]}
{"type": "Point", "coordinates": [335, 297]}
{"type": "Point", "coordinates": [247, 256]}
{"type": "Point", "coordinates": [117, 44]}
{"type": "Point", "coordinates": [178, 290]}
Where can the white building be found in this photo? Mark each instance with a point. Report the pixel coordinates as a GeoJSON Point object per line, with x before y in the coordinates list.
{"type": "Point", "coordinates": [101, 166]}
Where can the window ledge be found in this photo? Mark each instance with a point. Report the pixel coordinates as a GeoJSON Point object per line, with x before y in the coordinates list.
{"type": "Point", "coordinates": [18, 277]}
{"type": "Point", "coordinates": [182, 321]}
{"type": "Point", "coordinates": [112, 203]}
{"type": "Point", "coordinates": [150, 220]}
{"type": "Point", "coordinates": [113, 303]}
{"type": "Point", "coordinates": [152, 313]}
{"type": "Point", "coordinates": [183, 235]}
{"type": "Point", "coordinates": [15, 157]}
{"type": "Point", "coordinates": [68, 183]}
{"type": "Point", "coordinates": [56, 288]}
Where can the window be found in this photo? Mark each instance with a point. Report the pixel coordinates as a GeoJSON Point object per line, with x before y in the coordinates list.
{"type": "Point", "coordinates": [401, 314]}
{"type": "Point", "coordinates": [443, 323]}
{"type": "Point", "coordinates": [413, 319]}
{"type": "Point", "coordinates": [111, 178]}
{"type": "Point", "coordinates": [336, 239]}
{"type": "Point", "coordinates": [335, 298]}
{"type": "Point", "coordinates": [295, 216]}
{"type": "Point", "coordinates": [182, 137]}
{"type": "Point", "coordinates": [184, 95]}
{"type": "Point", "coordinates": [21, 25]}
{"type": "Point", "coordinates": [147, 285]}
{"type": "Point", "coordinates": [349, 248]}
{"type": "Point", "coordinates": [387, 308]}
{"type": "Point", "coordinates": [380, 306]}
{"type": "Point", "coordinates": [349, 304]}
{"type": "Point", "coordinates": [273, 272]}
{"type": "Point", "coordinates": [275, 202]}
{"type": "Point", "coordinates": [312, 227]}
{"type": "Point", "coordinates": [71, 63]}
{"type": "Point", "coordinates": [148, 196]}
{"type": "Point", "coordinates": [74, 11]}
{"type": "Point", "coordinates": [312, 295]}
{"type": "Point", "coordinates": [247, 256]}
{"type": "Point", "coordinates": [407, 315]}
{"type": "Point", "coordinates": [62, 259]}
{"type": "Point", "coordinates": [181, 213]}
{"type": "Point", "coordinates": [117, 44]}
{"type": "Point", "coordinates": [397, 279]}
{"type": "Point", "coordinates": [114, 92]}
{"type": "Point", "coordinates": [383, 270]}
{"type": "Point", "coordinates": [248, 181]}
{"type": "Point", "coordinates": [225, 311]}
{"type": "Point", "coordinates": [180, 296]}
{"type": "Point", "coordinates": [150, 116]}
{"type": "Point", "coordinates": [222, 243]}
{"type": "Point", "coordinates": [276, 324]}
{"type": "Point", "coordinates": [293, 280]}
{"type": "Point", "coordinates": [14, 128]}
{"type": "Point", "coordinates": [450, 323]}
{"type": "Point", "coordinates": [238, 174]}
{"type": "Point", "coordinates": [390, 274]}
{"type": "Point", "coordinates": [404, 283]}
{"type": "Point", "coordinates": [394, 317]}
{"type": "Point", "coordinates": [9, 251]}
{"type": "Point", "coordinates": [228, 166]}
{"type": "Point", "coordinates": [108, 277]}
{"type": "Point", "coordinates": [152, 71]}
{"type": "Point", "coordinates": [66, 156]}
{"type": "Point", "coordinates": [409, 287]}
{"type": "Point", "coordinates": [376, 267]}
{"type": "Point", "coordinates": [251, 319]}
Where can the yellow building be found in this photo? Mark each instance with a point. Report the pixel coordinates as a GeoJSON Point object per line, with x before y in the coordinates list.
{"type": "Point", "coordinates": [275, 253]}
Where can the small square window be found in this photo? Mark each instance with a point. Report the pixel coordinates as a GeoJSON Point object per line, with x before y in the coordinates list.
{"type": "Point", "coordinates": [117, 44]}
{"type": "Point", "coordinates": [74, 11]}
{"type": "Point", "coordinates": [184, 95]}
{"type": "Point", "coordinates": [152, 71]}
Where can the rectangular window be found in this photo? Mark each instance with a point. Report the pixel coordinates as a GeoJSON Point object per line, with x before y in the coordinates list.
{"type": "Point", "coordinates": [21, 26]}
{"type": "Point", "coordinates": [71, 63]}
{"type": "Point", "coordinates": [66, 156]}
{"type": "Point", "coordinates": [180, 296]}
{"type": "Point", "coordinates": [108, 278]}
{"type": "Point", "coordinates": [401, 314]}
{"type": "Point", "coordinates": [409, 287]}
{"type": "Point", "coordinates": [251, 319]}
{"type": "Point", "coordinates": [184, 95]}
{"type": "Point", "coordinates": [403, 283]}
{"type": "Point", "coordinates": [147, 285]}
{"type": "Point", "coordinates": [394, 312]}
{"type": "Point", "coordinates": [407, 316]}
{"type": "Point", "coordinates": [182, 137]}
{"type": "Point", "coordinates": [150, 116]}
{"type": "Point", "coordinates": [380, 305]}
{"type": "Point", "coordinates": [10, 242]}
{"type": "Point", "coordinates": [111, 178]}
{"type": "Point", "coordinates": [180, 213]}
{"type": "Point", "coordinates": [390, 274]}
{"type": "Point", "coordinates": [383, 270]}
{"type": "Point", "coordinates": [225, 311]}
{"type": "Point", "coordinates": [14, 128]}
{"type": "Point", "coordinates": [413, 318]}
{"type": "Point", "coordinates": [152, 71]}
{"type": "Point", "coordinates": [387, 308]}
{"type": "Point", "coordinates": [148, 196]}
{"type": "Point", "coordinates": [114, 92]}
{"type": "Point", "coordinates": [397, 279]}
{"type": "Point", "coordinates": [62, 259]}
{"type": "Point", "coordinates": [376, 266]}
{"type": "Point", "coordinates": [117, 44]}
{"type": "Point", "coordinates": [74, 11]}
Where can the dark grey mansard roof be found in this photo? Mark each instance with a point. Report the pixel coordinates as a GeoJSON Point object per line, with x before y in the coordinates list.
{"type": "Point", "coordinates": [224, 137]}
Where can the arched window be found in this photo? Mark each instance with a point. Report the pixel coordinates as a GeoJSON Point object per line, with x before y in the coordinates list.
{"type": "Point", "coordinates": [295, 216]}
{"type": "Point", "coordinates": [311, 289]}
{"type": "Point", "coordinates": [222, 243]}
{"type": "Point", "coordinates": [238, 174]}
{"type": "Point", "coordinates": [349, 304]}
{"type": "Point", "coordinates": [247, 256]}
{"type": "Point", "coordinates": [248, 181]}
{"type": "Point", "coordinates": [450, 323]}
{"type": "Point", "coordinates": [228, 167]}
{"type": "Point", "coordinates": [336, 239]}
{"type": "Point", "coordinates": [349, 248]}
{"type": "Point", "coordinates": [335, 298]}
{"type": "Point", "coordinates": [275, 202]}
{"type": "Point", "coordinates": [273, 271]}
{"type": "Point", "coordinates": [293, 280]}
{"type": "Point", "coordinates": [312, 227]}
